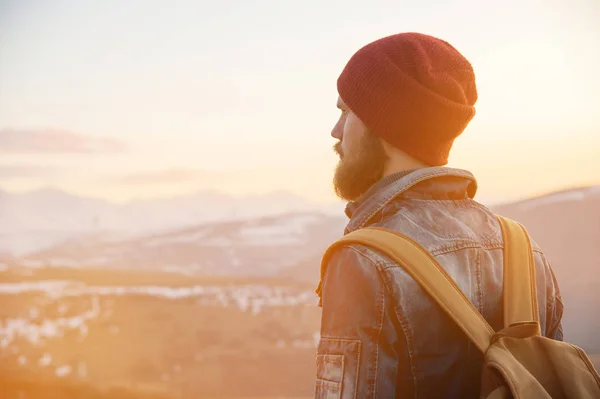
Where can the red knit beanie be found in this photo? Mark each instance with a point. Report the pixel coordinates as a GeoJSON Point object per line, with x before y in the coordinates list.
{"type": "Point", "coordinates": [414, 91]}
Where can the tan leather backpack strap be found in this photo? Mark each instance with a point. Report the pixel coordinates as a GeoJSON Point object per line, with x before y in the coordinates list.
{"type": "Point", "coordinates": [423, 267]}
{"type": "Point", "coordinates": [520, 293]}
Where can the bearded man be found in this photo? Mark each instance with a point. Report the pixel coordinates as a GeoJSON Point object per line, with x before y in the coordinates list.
{"type": "Point", "coordinates": [404, 99]}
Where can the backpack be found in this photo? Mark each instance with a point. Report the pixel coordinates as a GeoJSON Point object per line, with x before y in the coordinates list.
{"type": "Point", "coordinates": [518, 361]}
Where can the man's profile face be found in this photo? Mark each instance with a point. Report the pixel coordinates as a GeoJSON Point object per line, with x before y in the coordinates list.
{"type": "Point", "coordinates": [362, 156]}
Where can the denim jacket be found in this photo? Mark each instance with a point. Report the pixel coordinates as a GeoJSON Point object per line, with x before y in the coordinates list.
{"type": "Point", "coordinates": [381, 334]}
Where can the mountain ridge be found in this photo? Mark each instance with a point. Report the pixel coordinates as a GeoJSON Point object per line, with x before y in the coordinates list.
{"type": "Point", "coordinates": [45, 217]}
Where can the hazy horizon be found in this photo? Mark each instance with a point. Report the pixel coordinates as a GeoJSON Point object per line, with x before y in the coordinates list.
{"type": "Point", "coordinates": [132, 100]}
{"type": "Point", "coordinates": [486, 200]}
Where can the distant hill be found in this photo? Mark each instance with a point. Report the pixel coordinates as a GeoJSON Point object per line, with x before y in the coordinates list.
{"type": "Point", "coordinates": [566, 225]}
{"type": "Point", "coordinates": [261, 246]}
{"type": "Point", "coordinates": [43, 218]}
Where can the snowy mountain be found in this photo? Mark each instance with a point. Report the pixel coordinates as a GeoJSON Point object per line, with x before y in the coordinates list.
{"type": "Point", "coordinates": [261, 246]}
{"type": "Point", "coordinates": [44, 218]}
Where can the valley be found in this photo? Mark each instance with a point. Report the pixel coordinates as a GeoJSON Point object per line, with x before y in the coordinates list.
{"type": "Point", "coordinates": [186, 336]}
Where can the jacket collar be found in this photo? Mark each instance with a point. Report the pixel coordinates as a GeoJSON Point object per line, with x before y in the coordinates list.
{"type": "Point", "coordinates": [351, 207]}
{"type": "Point", "coordinates": [446, 181]}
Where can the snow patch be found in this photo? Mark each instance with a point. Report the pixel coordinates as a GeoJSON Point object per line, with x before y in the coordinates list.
{"type": "Point", "coordinates": [45, 360]}
{"type": "Point", "coordinates": [63, 371]}
{"type": "Point", "coordinates": [48, 286]}
{"type": "Point", "coordinates": [35, 333]}
{"type": "Point", "coordinates": [247, 297]}
{"type": "Point", "coordinates": [287, 231]}
{"type": "Point", "coordinates": [195, 237]}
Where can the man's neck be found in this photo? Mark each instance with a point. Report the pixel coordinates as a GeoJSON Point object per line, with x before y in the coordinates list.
{"type": "Point", "coordinates": [395, 166]}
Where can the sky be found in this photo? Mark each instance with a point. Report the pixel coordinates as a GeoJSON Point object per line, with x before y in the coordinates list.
{"type": "Point", "coordinates": [141, 99]}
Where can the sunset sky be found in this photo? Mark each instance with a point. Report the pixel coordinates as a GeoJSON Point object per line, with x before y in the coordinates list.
{"type": "Point", "coordinates": [130, 99]}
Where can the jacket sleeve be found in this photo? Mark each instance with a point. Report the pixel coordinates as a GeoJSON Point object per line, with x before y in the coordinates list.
{"type": "Point", "coordinates": [357, 353]}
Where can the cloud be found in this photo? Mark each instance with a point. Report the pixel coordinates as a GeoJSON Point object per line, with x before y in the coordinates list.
{"type": "Point", "coordinates": [26, 171]}
{"type": "Point", "coordinates": [171, 176]}
{"type": "Point", "coordinates": [54, 141]}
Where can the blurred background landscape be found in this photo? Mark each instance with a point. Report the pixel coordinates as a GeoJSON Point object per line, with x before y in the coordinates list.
{"type": "Point", "coordinates": [189, 310]}
{"type": "Point", "coordinates": [165, 179]}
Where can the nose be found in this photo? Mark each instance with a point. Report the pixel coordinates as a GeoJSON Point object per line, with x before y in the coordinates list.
{"type": "Point", "coordinates": [337, 131]}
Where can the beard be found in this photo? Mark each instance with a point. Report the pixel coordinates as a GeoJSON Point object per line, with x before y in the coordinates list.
{"type": "Point", "coordinates": [358, 170]}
